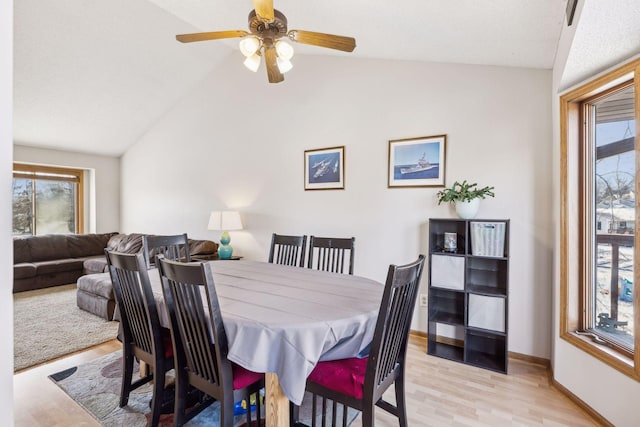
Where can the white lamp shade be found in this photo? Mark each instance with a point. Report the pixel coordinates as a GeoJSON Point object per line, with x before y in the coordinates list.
{"type": "Point", "coordinates": [225, 221]}
{"type": "Point", "coordinates": [284, 65]}
{"type": "Point", "coordinates": [249, 46]}
{"type": "Point", "coordinates": [284, 50]}
{"type": "Point", "coordinates": [252, 62]}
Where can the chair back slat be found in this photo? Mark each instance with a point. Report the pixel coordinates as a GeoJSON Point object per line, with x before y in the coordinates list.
{"type": "Point", "coordinates": [389, 345]}
{"type": "Point", "coordinates": [194, 323]}
{"type": "Point", "coordinates": [197, 320]}
{"type": "Point", "coordinates": [331, 254]}
{"type": "Point", "coordinates": [132, 289]}
{"type": "Point", "coordinates": [173, 247]}
{"type": "Point", "coordinates": [287, 250]}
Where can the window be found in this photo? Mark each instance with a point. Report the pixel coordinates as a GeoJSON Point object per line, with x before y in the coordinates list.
{"type": "Point", "coordinates": [46, 200]}
{"type": "Point", "coordinates": [599, 161]}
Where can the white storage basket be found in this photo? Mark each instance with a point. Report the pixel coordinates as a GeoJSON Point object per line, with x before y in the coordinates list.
{"type": "Point", "coordinates": [487, 239]}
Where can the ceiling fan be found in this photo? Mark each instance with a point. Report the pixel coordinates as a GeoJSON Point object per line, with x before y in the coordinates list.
{"type": "Point", "coordinates": [267, 29]}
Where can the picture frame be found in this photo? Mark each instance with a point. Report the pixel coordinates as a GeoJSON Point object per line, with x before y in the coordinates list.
{"type": "Point", "coordinates": [324, 168]}
{"type": "Point", "coordinates": [417, 162]}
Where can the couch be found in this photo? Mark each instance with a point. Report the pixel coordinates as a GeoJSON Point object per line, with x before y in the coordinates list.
{"type": "Point", "coordinates": [95, 291]}
{"type": "Point", "coordinates": [58, 259]}
{"type": "Point", "coordinates": [51, 260]}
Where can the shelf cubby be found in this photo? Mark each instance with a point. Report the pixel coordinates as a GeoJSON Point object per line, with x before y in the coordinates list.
{"type": "Point", "coordinates": [486, 350]}
{"type": "Point", "coordinates": [448, 306]}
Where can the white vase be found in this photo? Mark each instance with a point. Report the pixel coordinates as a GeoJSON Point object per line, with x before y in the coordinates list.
{"type": "Point", "coordinates": [468, 210]}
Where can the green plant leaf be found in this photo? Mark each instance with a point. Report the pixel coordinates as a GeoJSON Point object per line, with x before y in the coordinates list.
{"type": "Point", "coordinates": [464, 192]}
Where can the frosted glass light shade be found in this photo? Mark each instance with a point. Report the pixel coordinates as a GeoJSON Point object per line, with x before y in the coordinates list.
{"type": "Point", "coordinates": [252, 62]}
{"type": "Point", "coordinates": [284, 50]}
{"type": "Point", "coordinates": [284, 65]}
{"type": "Point", "coordinates": [249, 46]}
{"type": "Point", "coordinates": [225, 221]}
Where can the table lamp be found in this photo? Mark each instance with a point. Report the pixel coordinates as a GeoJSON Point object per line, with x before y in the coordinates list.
{"type": "Point", "coordinates": [225, 221]}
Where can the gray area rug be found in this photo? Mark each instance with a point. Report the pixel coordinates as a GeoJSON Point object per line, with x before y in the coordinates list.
{"type": "Point", "coordinates": [96, 387]}
{"type": "Point", "coordinates": [48, 324]}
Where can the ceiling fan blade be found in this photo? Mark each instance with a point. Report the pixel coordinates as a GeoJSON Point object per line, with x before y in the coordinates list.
{"type": "Point", "coordinates": [264, 9]}
{"type": "Point", "coordinates": [215, 35]}
{"type": "Point", "coordinates": [271, 61]}
{"type": "Point", "coordinates": [345, 44]}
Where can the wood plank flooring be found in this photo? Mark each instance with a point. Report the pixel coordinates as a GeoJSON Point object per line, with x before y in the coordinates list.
{"type": "Point", "coordinates": [439, 393]}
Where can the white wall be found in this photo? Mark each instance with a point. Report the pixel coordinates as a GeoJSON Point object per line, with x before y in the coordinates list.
{"type": "Point", "coordinates": [240, 145]}
{"type": "Point", "coordinates": [103, 187]}
{"type": "Point", "coordinates": [612, 394]}
{"type": "Point", "coordinates": [6, 246]}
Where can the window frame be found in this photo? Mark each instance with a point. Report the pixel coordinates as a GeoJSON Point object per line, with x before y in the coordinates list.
{"type": "Point", "coordinates": [30, 171]}
{"type": "Point", "coordinates": [575, 240]}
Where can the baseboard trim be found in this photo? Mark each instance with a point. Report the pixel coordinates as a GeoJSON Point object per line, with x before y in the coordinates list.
{"type": "Point", "coordinates": [530, 359]}
{"type": "Point", "coordinates": [599, 419]}
{"type": "Point", "coordinates": [418, 334]}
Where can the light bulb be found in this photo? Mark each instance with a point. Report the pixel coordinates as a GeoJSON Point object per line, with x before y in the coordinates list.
{"type": "Point", "coordinates": [284, 50]}
{"type": "Point", "coordinates": [252, 62]}
{"type": "Point", "coordinates": [284, 65]}
{"type": "Point", "coordinates": [249, 46]}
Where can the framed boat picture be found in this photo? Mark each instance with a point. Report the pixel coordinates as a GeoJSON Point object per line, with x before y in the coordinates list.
{"type": "Point", "coordinates": [324, 169]}
{"type": "Point", "coordinates": [417, 162]}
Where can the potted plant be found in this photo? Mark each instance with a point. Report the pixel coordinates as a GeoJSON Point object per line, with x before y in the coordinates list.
{"type": "Point", "coordinates": [466, 197]}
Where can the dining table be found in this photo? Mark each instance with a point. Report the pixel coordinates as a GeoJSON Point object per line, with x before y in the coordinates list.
{"type": "Point", "coordinates": [283, 320]}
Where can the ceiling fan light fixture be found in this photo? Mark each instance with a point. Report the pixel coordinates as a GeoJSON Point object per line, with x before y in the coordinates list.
{"type": "Point", "coordinates": [252, 62]}
{"type": "Point", "coordinates": [249, 46]}
{"type": "Point", "coordinates": [284, 50]}
{"type": "Point", "coordinates": [266, 36]}
{"type": "Point", "coordinates": [284, 65]}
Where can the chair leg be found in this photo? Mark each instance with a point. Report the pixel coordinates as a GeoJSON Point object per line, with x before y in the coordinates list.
{"type": "Point", "coordinates": [248, 397]}
{"type": "Point", "coordinates": [368, 414]}
{"type": "Point", "coordinates": [226, 411]}
{"type": "Point", "coordinates": [127, 375]}
{"type": "Point", "coordinates": [182, 389]}
{"type": "Point", "coordinates": [158, 394]}
{"type": "Point", "coordinates": [400, 402]}
{"type": "Point", "coordinates": [258, 409]}
{"type": "Point", "coordinates": [294, 414]}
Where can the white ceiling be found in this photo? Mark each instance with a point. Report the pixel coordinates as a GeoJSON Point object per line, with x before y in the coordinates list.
{"type": "Point", "coordinates": [608, 29]}
{"type": "Point", "coordinates": [94, 76]}
{"type": "Point", "coordinates": [518, 33]}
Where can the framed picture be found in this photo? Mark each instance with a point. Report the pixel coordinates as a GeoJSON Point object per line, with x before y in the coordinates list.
{"type": "Point", "coordinates": [324, 169]}
{"type": "Point", "coordinates": [417, 162]}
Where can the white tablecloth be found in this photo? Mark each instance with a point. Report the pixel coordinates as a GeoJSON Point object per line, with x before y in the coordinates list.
{"type": "Point", "coordinates": [285, 319]}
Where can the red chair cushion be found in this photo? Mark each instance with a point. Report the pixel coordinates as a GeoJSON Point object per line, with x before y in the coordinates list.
{"type": "Point", "coordinates": [168, 345]}
{"type": "Point", "coordinates": [345, 376]}
{"type": "Point", "coordinates": [243, 377]}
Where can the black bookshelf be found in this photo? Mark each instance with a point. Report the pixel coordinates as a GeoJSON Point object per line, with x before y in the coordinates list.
{"type": "Point", "coordinates": [469, 292]}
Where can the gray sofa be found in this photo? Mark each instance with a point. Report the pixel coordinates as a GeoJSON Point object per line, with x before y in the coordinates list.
{"type": "Point", "coordinates": [57, 259]}
{"type": "Point", "coordinates": [95, 292]}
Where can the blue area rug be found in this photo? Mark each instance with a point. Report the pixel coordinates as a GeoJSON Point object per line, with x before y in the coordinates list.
{"type": "Point", "coordinates": [96, 387]}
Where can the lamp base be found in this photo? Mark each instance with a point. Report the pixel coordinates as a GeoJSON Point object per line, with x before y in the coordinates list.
{"type": "Point", "coordinates": [225, 251]}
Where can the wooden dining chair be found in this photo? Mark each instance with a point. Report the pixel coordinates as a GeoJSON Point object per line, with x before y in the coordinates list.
{"type": "Point", "coordinates": [143, 337]}
{"type": "Point", "coordinates": [331, 254]}
{"type": "Point", "coordinates": [360, 382]}
{"type": "Point", "coordinates": [200, 340]}
{"type": "Point", "coordinates": [174, 247]}
{"type": "Point", "coordinates": [287, 250]}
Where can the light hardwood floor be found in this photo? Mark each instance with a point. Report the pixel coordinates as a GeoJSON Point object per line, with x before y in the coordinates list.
{"type": "Point", "coordinates": [439, 393]}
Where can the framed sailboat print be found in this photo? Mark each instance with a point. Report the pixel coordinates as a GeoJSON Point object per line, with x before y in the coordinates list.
{"type": "Point", "coordinates": [324, 169]}
{"type": "Point", "coordinates": [417, 162]}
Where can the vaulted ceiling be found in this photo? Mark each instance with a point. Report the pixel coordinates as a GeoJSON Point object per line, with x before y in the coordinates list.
{"type": "Point", "coordinates": [95, 76]}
